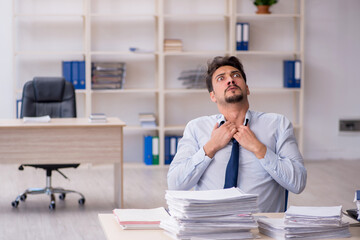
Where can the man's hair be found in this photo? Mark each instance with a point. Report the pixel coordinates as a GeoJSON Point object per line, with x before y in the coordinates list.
{"type": "Point", "coordinates": [218, 62]}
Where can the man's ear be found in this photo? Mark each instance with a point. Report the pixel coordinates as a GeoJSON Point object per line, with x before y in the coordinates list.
{"type": "Point", "coordinates": [247, 90]}
{"type": "Point", "coordinates": [212, 96]}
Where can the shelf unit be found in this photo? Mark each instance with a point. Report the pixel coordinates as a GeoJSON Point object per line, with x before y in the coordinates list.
{"type": "Point", "coordinates": [47, 32]}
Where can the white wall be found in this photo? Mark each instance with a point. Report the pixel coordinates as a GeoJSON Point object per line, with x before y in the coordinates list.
{"type": "Point", "coordinates": [332, 50]}
{"type": "Point", "coordinates": [332, 78]}
{"type": "Point", "coordinates": [6, 86]}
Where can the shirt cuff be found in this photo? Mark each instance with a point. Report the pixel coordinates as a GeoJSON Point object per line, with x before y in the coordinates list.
{"type": "Point", "coordinates": [269, 162]}
{"type": "Point", "coordinates": [200, 157]}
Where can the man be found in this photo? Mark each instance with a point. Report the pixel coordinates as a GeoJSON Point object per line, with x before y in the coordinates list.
{"type": "Point", "coordinates": [268, 159]}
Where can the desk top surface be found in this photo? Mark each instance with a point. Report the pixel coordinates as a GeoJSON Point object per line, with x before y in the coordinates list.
{"type": "Point", "coordinates": [60, 122]}
{"type": "Point", "coordinates": [113, 230]}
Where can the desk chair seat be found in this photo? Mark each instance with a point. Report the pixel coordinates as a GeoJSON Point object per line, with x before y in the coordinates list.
{"type": "Point", "coordinates": [55, 97]}
{"type": "Point", "coordinates": [49, 190]}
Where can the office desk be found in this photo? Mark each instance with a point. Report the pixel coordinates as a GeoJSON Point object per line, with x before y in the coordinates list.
{"type": "Point", "coordinates": [113, 231]}
{"type": "Point", "coordinates": [65, 140]}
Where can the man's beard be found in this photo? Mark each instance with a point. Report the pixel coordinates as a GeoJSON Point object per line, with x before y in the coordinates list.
{"type": "Point", "coordinates": [234, 99]}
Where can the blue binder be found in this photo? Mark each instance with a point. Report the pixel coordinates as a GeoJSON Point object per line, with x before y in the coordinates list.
{"type": "Point", "coordinates": [75, 73]}
{"type": "Point", "coordinates": [242, 36]}
{"type": "Point", "coordinates": [66, 70]}
{"type": "Point", "coordinates": [292, 73]}
{"type": "Point", "coordinates": [167, 150]}
{"type": "Point", "coordinates": [148, 156]}
{"type": "Point", "coordinates": [81, 81]}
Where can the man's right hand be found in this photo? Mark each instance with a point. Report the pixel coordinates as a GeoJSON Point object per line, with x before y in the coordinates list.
{"type": "Point", "coordinates": [220, 137]}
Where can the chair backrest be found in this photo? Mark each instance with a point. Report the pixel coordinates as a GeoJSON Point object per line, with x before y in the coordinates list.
{"type": "Point", "coordinates": [51, 96]}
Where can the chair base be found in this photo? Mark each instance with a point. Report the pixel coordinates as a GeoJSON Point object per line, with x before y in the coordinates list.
{"type": "Point", "coordinates": [49, 191]}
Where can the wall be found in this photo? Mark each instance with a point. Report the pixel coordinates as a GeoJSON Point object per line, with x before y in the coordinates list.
{"type": "Point", "coordinates": [332, 78]}
{"type": "Point", "coordinates": [331, 51]}
{"type": "Point", "coordinates": [6, 89]}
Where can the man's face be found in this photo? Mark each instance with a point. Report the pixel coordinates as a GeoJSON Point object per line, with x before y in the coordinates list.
{"type": "Point", "coordinates": [228, 86]}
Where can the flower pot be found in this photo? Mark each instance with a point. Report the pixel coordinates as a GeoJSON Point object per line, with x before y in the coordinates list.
{"type": "Point", "coordinates": [263, 9]}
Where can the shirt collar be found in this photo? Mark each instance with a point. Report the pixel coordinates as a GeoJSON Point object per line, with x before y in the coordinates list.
{"type": "Point", "coordinates": [221, 119]}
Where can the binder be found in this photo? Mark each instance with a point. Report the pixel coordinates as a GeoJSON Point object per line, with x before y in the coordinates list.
{"type": "Point", "coordinates": [66, 70]}
{"type": "Point", "coordinates": [292, 73]}
{"type": "Point", "coordinates": [75, 73]}
{"type": "Point", "coordinates": [148, 156]}
{"type": "Point", "coordinates": [81, 77]}
{"type": "Point", "coordinates": [18, 108]}
{"type": "Point", "coordinates": [245, 35]}
{"type": "Point", "coordinates": [238, 36]}
{"type": "Point", "coordinates": [242, 36]}
{"type": "Point", "coordinates": [155, 150]}
{"type": "Point", "coordinates": [173, 147]}
{"type": "Point", "coordinates": [167, 150]}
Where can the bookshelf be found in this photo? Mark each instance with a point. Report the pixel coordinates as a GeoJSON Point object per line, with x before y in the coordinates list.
{"type": "Point", "coordinates": [48, 32]}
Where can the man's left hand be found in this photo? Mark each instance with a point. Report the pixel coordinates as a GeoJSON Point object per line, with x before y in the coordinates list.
{"type": "Point", "coordinates": [247, 139]}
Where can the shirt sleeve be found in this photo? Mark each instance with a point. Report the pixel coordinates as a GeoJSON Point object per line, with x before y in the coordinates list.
{"type": "Point", "coordinates": [189, 163]}
{"type": "Point", "coordinates": [285, 164]}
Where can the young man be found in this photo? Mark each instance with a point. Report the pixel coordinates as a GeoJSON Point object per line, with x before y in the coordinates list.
{"type": "Point", "coordinates": [268, 160]}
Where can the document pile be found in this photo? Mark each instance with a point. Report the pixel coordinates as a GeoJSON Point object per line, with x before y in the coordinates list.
{"type": "Point", "coordinates": [212, 214]}
{"type": "Point", "coordinates": [306, 223]}
{"type": "Point", "coordinates": [140, 218]}
{"type": "Point", "coordinates": [97, 118]}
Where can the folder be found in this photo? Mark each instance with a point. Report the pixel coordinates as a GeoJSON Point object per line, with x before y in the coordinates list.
{"type": "Point", "coordinates": [148, 156]}
{"type": "Point", "coordinates": [155, 150]}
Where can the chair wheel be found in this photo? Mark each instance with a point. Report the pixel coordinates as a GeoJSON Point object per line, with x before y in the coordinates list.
{"type": "Point", "coordinates": [82, 201]}
{"type": "Point", "coordinates": [14, 204]}
{"type": "Point", "coordinates": [23, 197]}
{"type": "Point", "coordinates": [62, 196]}
{"type": "Point", "coordinates": [52, 206]}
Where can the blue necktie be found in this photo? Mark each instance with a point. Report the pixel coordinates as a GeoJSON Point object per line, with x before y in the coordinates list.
{"type": "Point", "coordinates": [232, 168]}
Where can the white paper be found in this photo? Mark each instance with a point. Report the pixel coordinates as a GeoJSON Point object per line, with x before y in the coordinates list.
{"type": "Point", "coordinates": [42, 119]}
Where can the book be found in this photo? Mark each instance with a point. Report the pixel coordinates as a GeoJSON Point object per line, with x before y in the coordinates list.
{"type": "Point", "coordinates": [140, 218]}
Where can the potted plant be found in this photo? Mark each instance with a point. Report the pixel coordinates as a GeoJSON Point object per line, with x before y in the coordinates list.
{"type": "Point", "coordinates": [263, 6]}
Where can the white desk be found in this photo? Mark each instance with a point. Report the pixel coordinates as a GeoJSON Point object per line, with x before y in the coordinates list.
{"type": "Point", "coordinates": [113, 231]}
{"type": "Point", "coordinates": [65, 140]}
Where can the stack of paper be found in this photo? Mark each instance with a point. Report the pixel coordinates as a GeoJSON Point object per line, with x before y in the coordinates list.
{"type": "Point", "coordinates": [147, 120]}
{"type": "Point", "coordinates": [212, 214]}
{"type": "Point", "coordinates": [42, 119]}
{"type": "Point", "coordinates": [306, 223]}
{"type": "Point", "coordinates": [140, 218]}
{"type": "Point", "coordinates": [97, 118]}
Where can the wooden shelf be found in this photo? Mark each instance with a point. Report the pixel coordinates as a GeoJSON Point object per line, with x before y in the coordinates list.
{"type": "Point", "coordinates": [152, 75]}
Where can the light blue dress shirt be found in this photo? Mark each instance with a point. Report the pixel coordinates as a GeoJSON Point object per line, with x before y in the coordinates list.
{"type": "Point", "coordinates": [281, 168]}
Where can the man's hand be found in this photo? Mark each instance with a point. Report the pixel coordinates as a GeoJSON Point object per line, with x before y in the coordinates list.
{"type": "Point", "coordinates": [220, 137]}
{"type": "Point", "coordinates": [247, 139]}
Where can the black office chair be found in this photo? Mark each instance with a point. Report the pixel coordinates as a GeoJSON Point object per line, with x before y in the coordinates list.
{"type": "Point", "coordinates": [55, 97]}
